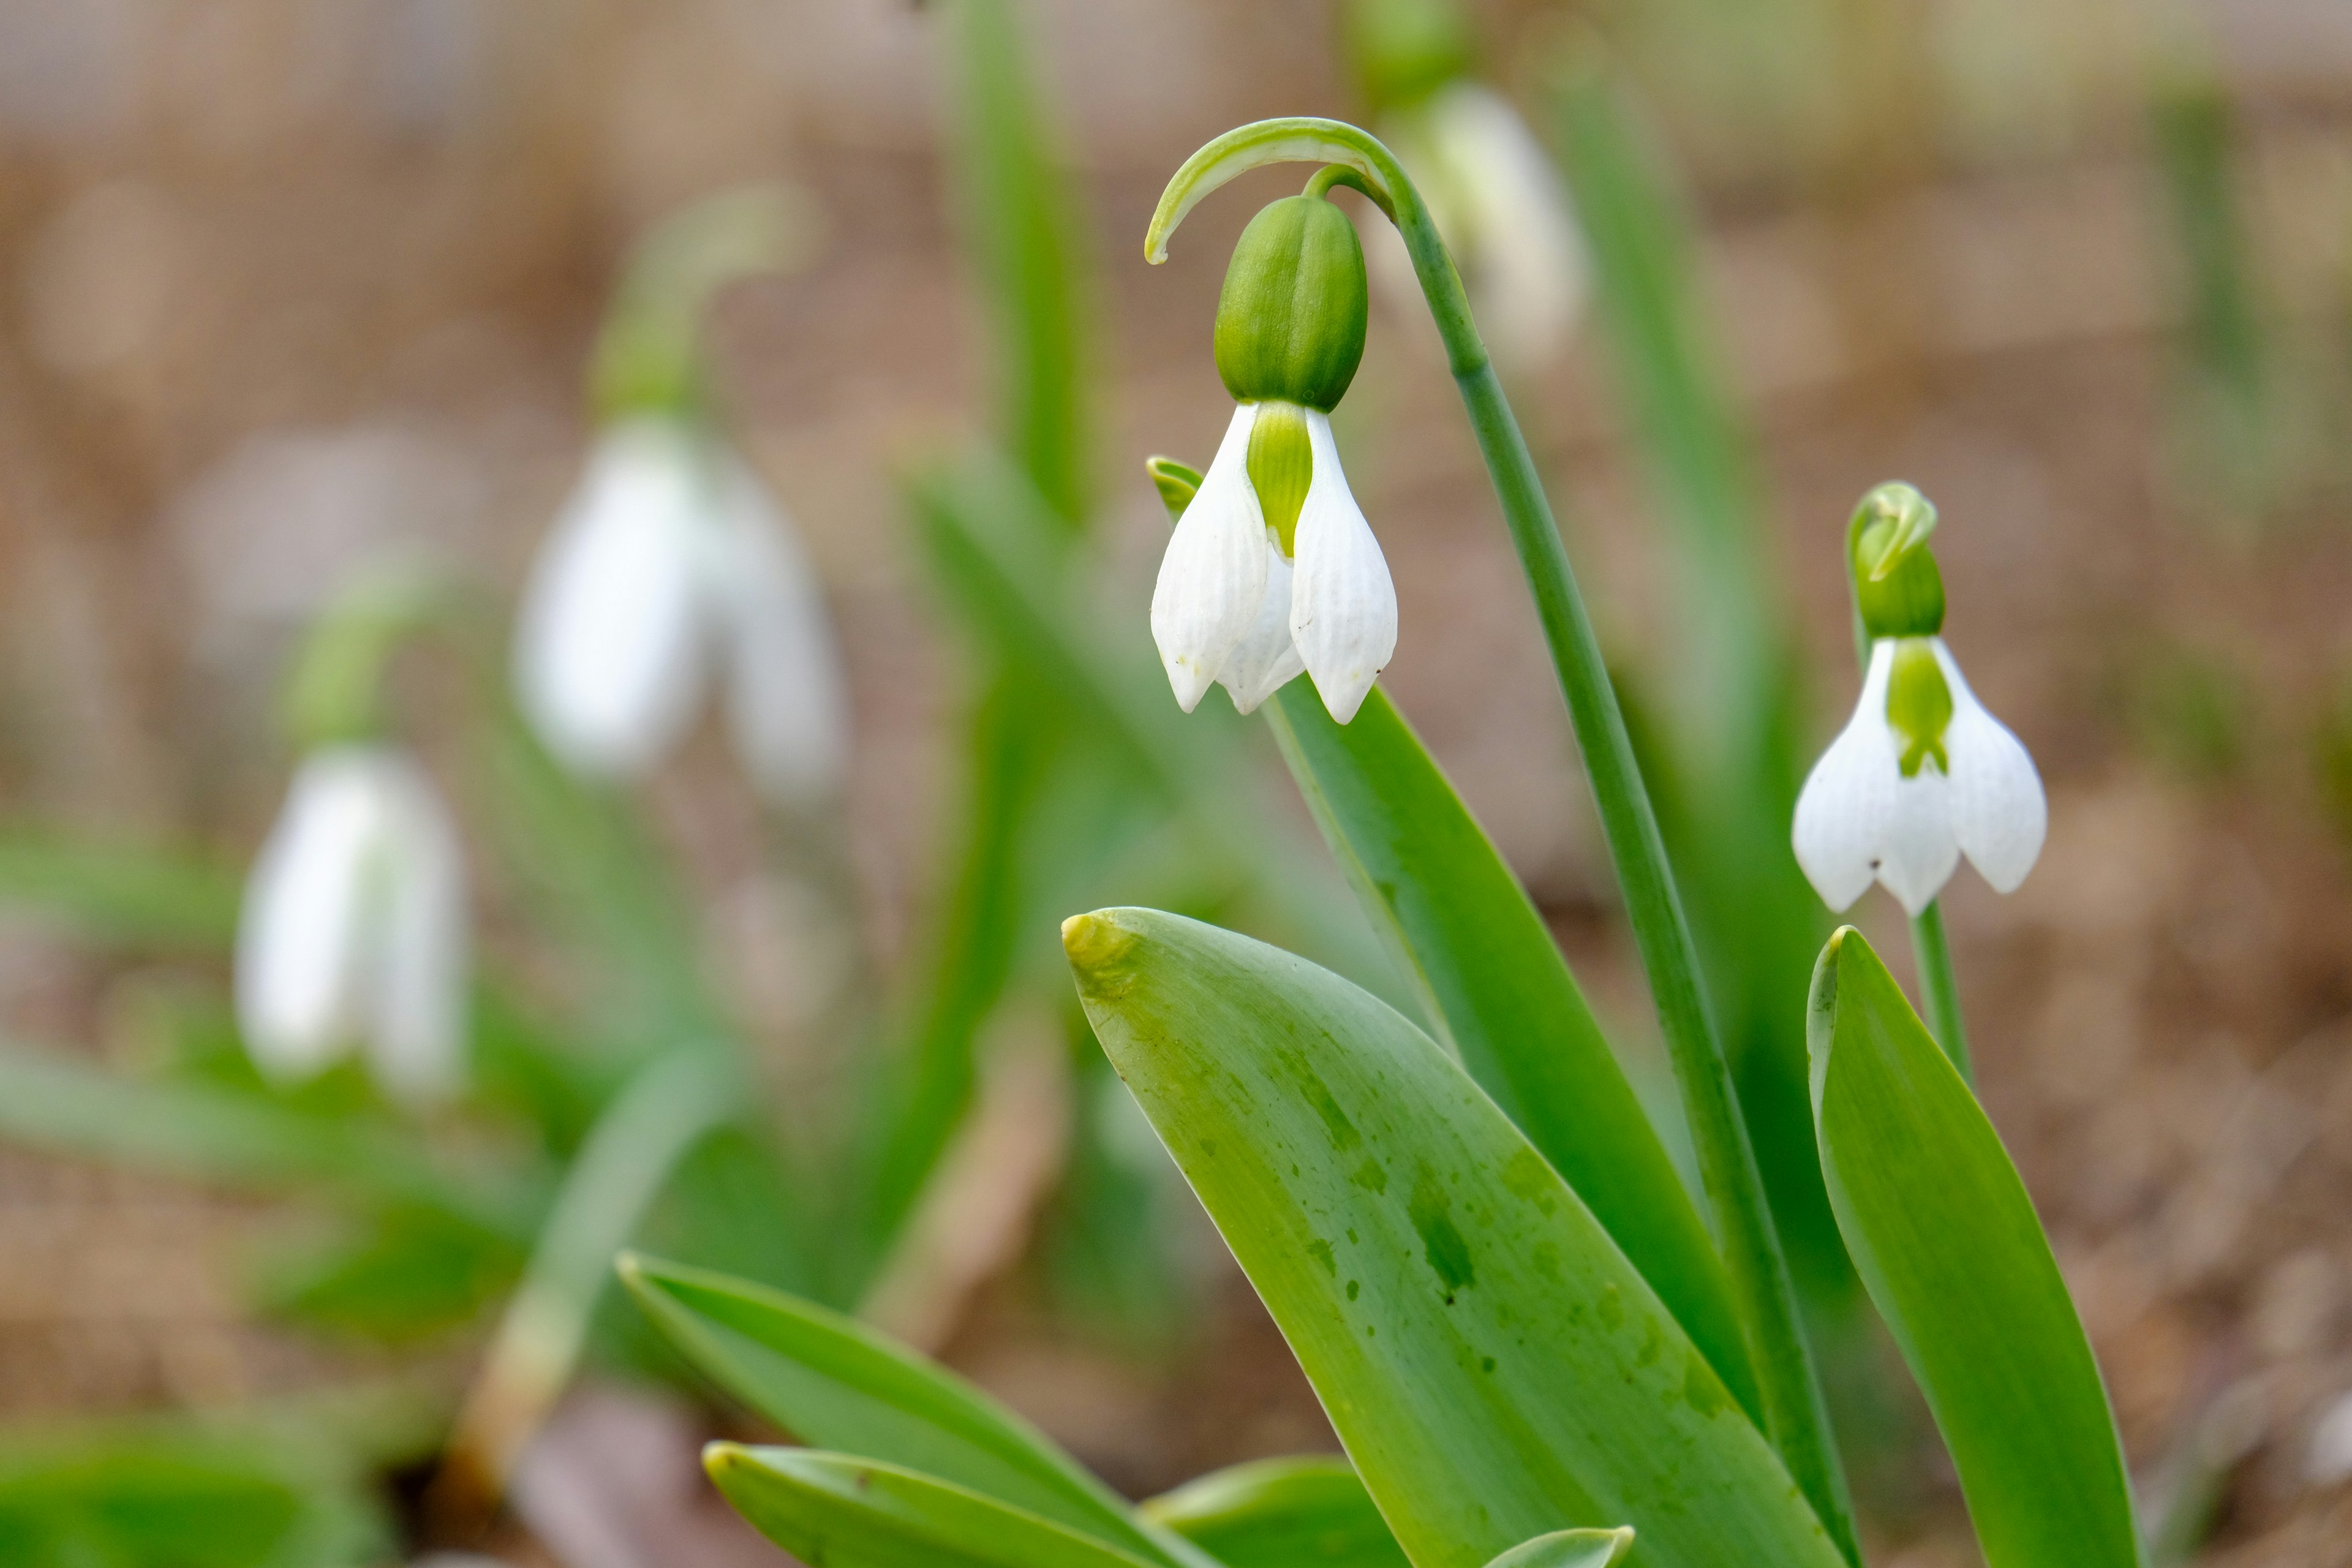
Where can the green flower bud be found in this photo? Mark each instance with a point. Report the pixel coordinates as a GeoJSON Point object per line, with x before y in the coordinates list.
{"type": "Point", "coordinates": [1290, 322]}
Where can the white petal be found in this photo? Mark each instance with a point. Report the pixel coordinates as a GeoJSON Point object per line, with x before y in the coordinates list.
{"type": "Point", "coordinates": [1265, 660]}
{"type": "Point", "coordinates": [1848, 801]}
{"type": "Point", "coordinates": [785, 705]}
{"type": "Point", "coordinates": [1527, 263]}
{"type": "Point", "coordinates": [608, 641]}
{"type": "Point", "coordinates": [1919, 853]}
{"type": "Point", "coordinates": [1999, 813]}
{"type": "Point", "coordinates": [302, 960]}
{"type": "Point", "coordinates": [1343, 608]}
{"type": "Point", "coordinates": [1212, 579]}
{"type": "Point", "coordinates": [417, 1042]}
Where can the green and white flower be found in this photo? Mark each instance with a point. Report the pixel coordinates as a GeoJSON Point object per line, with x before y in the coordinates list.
{"type": "Point", "coordinates": [1273, 570]}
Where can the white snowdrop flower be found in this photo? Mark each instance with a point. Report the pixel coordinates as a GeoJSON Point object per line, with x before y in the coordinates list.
{"type": "Point", "coordinates": [1273, 570]}
{"type": "Point", "coordinates": [1504, 213]}
{"type": "Point", "coordinates": [1921, 775]}
{"type": "Point", "coordinates": [670, 566]}
{"type": "Point", "coordinates": [352, 932]}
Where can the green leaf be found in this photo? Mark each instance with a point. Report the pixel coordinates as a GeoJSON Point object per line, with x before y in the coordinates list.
{"type": "Point", "coordinates": [1494, 1364]}
{"type": "Point", "coordinates": [847, 1512]}
{"type": "Point", "coordinates": [1569, 1549]}
{"type": "Point", "coordinates": [56, 1104]}
{"type": "Point", "coordinates": [830, 1380]}
{"type": "Point", "coordinates": [1495, 983]}
{"type": "Point", "coordinates": [397, 1275]}
{"type": "Point", "coordinates": [1022, 230]}
{"type": "Point", "coordinates": [1310, 1512]}
{"type": "Point", "coordinates": [119, 894]}
{"type": "Point", "coordinates": [1947, 1241]}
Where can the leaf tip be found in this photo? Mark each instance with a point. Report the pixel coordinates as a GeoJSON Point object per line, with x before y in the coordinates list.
{"type": "Point", "coordinates": [722, 1462]}
{"type": "Point", "coordinates": [1097, 946]}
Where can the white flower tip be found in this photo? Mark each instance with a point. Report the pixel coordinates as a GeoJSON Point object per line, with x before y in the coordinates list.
{"type": "Point", "coordinates": [1343, 696]}
{"type": "Point", "coordinates": [1188, 681]}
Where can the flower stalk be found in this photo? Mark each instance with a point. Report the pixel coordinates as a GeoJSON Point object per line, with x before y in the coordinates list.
{"type": "Point", "coordinates": [1796, 1415]}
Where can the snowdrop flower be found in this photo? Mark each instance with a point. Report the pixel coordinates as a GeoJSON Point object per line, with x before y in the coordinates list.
{"type": "Point", "coordinates": [1272, 569]}
{"type": "Point", "coordinates": [353, 928]}
{"type": "Point", "coordinates": [1922, 773]}
{"type": "Point", "coordinates": [669, 569]}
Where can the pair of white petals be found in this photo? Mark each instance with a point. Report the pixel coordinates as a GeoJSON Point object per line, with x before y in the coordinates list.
{"type": "Point", "coordinates": [1859, 818]}
{"type": "Point", "coordinates": [1504, 213]}
{"type": "Point", "coordinates": [352, 932]}
{"type": "Point", "coordinates": [670, 566]}
{"type": "Point", "coordinates": [1230, 609]}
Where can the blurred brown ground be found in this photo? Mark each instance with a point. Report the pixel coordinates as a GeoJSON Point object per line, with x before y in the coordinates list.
{"type": "Point", "coordinates": [282, 281]}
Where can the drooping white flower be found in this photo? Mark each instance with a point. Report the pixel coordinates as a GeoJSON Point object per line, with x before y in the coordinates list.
{"type": "Point", "coordinates": [671, 565]}
{"type": "Point", "coordinates": [1501, 206]}
{"type": "Point", "coordinates": [1920, 775]}
{"type": "Point", "coordinates": [1238, 606]}
{"type": "Point", "coordinates": [352, 932]}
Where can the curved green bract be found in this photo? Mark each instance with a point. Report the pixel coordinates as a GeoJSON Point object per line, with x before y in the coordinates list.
{"type": "Point", "coordinates": [841, 1511]}
{"type": "Point", "coordinates": [1947, 1241]}
{"type": "Point", "coordinates": [1569, 1549]}
{"type": "Point", "coordinates": [1494, 1364]}
{"type": "Point", "coordinates": [1492, 978]}
{"type": "Point", "coordinates": [1307, 1512]}
{"type": "Point", "coordinates": [1297, 140]}
{"type": "Point", "coordinates": [831, 1381]}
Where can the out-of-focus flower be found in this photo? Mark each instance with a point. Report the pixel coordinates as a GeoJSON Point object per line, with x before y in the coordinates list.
{"type": "Point", "coordinates": [352, 931]}
{"type": "Point", "coordinates": [1272, 569]}
{"type": "Point", "coordinates": [1922, 773]}
{"type": "Point", "coordinates": [1505, 213]}
{"type": "Point", "coordinates": [672, 567]}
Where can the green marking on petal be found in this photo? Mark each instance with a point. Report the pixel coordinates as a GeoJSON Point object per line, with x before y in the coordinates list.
{"type": "Point", "coordinates": [1919, 706]}
{"type": "Point", "coordinates": [1281, 466]}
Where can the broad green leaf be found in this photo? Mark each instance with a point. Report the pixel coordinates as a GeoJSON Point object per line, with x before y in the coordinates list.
{"type": "Point", "coordinates": [1494, 1364]}
{"type": "Point", "coordinates": [1569, 1549]}
{"type": "Point", "coordinates": [56, 1104]}
{"type": "Point", "coordinates": [1948, 1243]}
{"type": "Point", "coordinates": [1496, 985]}
{"type": "Point", "coordinates": [830, 1380]}
{"type": "Point", "coordinates": [847, 1512]}
{"type": "Point", "coordinates": [118, 894]}
{"type": "Point", "coordinates": [1311, 1511]}
{"type": "Point", "coordinates": [399, 1275]}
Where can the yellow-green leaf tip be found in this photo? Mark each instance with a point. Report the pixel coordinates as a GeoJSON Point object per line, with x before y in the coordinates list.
{"type": "Point", "coordinates": [721, 1460]}
{"type": "Point", "coordinates": [1097, 946]}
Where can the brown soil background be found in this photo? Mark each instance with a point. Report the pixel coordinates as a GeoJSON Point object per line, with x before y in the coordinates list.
{"type": "Point", "coordinates": [280, 283]}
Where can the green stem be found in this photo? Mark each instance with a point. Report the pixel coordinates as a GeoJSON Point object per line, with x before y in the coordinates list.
{"type": "Point", "coordinates": [1795, 1413]}
{"type": "Point", "coordinates": [1941, 989]}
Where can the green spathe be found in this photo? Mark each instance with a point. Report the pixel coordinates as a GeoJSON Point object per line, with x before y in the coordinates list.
{"type": "Point", "coordinates": [1290, 322]}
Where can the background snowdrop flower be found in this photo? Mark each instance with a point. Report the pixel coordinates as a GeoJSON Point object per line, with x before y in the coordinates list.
{"type": "Point", "coordinates": [1922, 773]}
{"type": "Point", "coordinates": [1273, 570]}
{"type": "Point", "coordinates": [352, 931]}
{"type": "Point", "coordinates": [670, 566]}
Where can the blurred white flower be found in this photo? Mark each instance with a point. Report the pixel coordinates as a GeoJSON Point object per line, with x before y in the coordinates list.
{"type": "Point", "coordinates": [1505, 213]}
{"type": "Point", "coordinates": [671, 566]}
{"type": "Point", "coordinates": [1920, 775]}
{"type": "Point", "coordinates": [1256, 588]}
{"type": "Point", "coordinates": [353, 928]}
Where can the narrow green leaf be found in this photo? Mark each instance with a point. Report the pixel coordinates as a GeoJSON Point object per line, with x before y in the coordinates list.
{"type": "Point", "coordinates": [118, 894]}
{"type": "Point", "coordinates": [1311, 1511]}
{"type": "Point", "coordinates": [830, 1380]}
{"type": "Point", "coordinates": [56, 1104]}
{"type": "Point", "coordinates": [847, 1512]}
{"type": "Point", "coordinates": [1569, 1549]}
{"type": "Point", "coordinates": [1495, 983]}
{"type": "Point", "coordinates": [1494, 1364]}
{"type": "Point", "coordinates": [1948, 1243]}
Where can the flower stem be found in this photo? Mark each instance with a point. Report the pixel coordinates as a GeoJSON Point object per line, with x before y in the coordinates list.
{"type": "Point", "coordinates": [1941, 989]}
